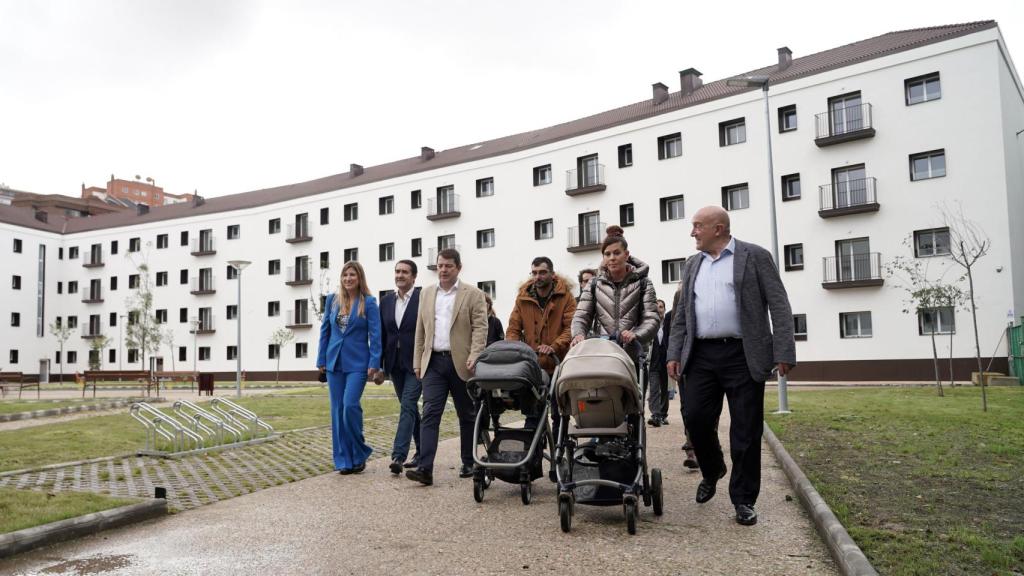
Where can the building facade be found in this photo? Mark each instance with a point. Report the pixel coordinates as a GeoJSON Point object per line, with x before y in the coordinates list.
{"type": "Point", "coordinates": [870, 141]}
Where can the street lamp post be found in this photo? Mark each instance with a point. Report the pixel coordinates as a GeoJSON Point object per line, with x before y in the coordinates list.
{"type": "Point", "coordinates": [239, 265]}
{"type": "Point", "coordinates": [762, 82]}
{"type": "Point", "coordinates": [120, 340]}
{"type": "Point", "coordinates": [194, 323]}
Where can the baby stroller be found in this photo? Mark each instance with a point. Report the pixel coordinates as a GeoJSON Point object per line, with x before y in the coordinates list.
{"type": "Point", "coordinates": [596, 386]}
{"type": "Point", "coordinates": [507, 378]}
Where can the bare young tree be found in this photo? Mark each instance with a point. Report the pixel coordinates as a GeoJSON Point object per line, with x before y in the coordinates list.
{"type": "Point", "coordinates": [62, 332]}
{"type": "Point", "coordinates": [323, 289]}
{"type": "Point", "coordinates": [143, 332]}
{"type": "Point", "coordinates": [280, 337]}
{"type": "Point", "coordinates": [968, 243]}
{"type": "Point", "coordinates": [96, 346]}
{"type": "Point", "coordinates": [168, 338]}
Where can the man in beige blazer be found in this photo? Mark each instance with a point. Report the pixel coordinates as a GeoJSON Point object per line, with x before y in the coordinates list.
{"type": "Point", "coordinates": [451, 331]}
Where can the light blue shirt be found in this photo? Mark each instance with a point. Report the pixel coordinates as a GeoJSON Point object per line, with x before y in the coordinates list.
{"type": "Point", "coordinates": [718, 316]}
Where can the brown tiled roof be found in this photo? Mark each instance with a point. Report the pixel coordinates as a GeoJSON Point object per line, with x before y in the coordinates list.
{"type": "Point", "coordinates": [834, 58]}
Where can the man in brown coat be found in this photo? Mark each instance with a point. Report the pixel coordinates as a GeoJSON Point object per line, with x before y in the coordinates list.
{"type": "Point", "coordinates": [542, 317]}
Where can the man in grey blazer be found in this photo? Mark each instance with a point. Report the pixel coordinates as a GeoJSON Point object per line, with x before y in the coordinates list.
{"type": "Point", "coordinates": [722, 344]}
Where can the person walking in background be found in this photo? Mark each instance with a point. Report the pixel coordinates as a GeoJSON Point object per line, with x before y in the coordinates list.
{"type": "Point", "coordinates": [350, 348]}
{"type": "Point", "coordinates": [584, 278]}
{"type": "Point", "coordinates": [495, 331]}
{"type": "Point", "coordinates": [398, 311]}
{"type": "Point", "coordinates": [657, 399]}
{"type": "Point", "coordinates": [451, 332]}
{"type": "Point", "coordinates": [690, 462]}
{"type": "Point", "coordinates": [722, 344]}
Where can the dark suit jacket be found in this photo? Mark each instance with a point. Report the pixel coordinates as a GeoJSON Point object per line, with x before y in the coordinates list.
{"type": "Point", "coordinates": [659, 352]}
{"type": "Point", "coordinates": [759, 290]}
{"type": "Point", "coordinates": [398, 337]}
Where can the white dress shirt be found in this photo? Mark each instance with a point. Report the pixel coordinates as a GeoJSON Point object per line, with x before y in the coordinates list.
{"type": "Point", "coordinates": [444, 309]}
{"type": "Point", "coordinates": [715, 303]}
{"type": "Point", "coordinates": [401, 302]}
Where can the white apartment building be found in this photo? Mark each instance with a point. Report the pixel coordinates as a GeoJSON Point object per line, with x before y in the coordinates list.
{"type": "Point", "coordinates": [868, 140]}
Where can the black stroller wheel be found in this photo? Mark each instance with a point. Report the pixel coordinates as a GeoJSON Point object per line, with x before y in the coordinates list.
{"type": "Point", "coordinates": [657, 495]}
{"type": "Point", "coordinates": [478, 490]}
{"type": "Point", "coordinates": [630, 509]}
{"type": "Point", "coordinates": [565, 512]}
{"type": "Point", "coordinates": [526, 493]}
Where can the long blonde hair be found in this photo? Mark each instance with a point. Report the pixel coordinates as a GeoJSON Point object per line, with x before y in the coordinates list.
{"type": "Point", "coordinates": [364, 290]}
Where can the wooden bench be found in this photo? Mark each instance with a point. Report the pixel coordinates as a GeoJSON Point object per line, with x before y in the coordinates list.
{"type": "Point", "coordinates": [142, 377]}
{"type": "Point", "coordinates": [189, 377]}
{"type": "Point", "coordinates": [16, 380]}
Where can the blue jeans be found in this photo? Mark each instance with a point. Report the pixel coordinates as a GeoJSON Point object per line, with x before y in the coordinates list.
{"type": "Point", "coordinates": [349, 447]}
{"type": "Point", "coordinates": [408, 390]}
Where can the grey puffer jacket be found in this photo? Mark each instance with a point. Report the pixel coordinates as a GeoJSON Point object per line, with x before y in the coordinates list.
{"type": "Point", "coordinates": [632, 305]}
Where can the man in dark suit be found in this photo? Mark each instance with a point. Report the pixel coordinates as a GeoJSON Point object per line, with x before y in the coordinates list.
{"type": "Point", "coordinates": [398, 312]}
{"type": "Point", "coordinates": [722, 344]}
{"type": "Point", "coordinates": [657, 399]}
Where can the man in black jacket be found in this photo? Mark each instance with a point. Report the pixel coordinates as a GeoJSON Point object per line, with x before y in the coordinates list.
{"type": "Point", "coordinates": [398, 313]}
{"type": "Point", "coordinates": [657, 400]}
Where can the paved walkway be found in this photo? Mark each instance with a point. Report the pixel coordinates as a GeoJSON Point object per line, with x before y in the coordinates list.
{"type": "Point", "coordinates": [376, 523]}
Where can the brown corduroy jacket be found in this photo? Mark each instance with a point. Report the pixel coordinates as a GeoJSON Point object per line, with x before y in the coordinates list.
{"type": "Point", "coordinates": [529, 324]}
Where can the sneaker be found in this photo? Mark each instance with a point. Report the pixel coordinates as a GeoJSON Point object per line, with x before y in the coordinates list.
{"type": "Point", "coordinates": [395, 467]}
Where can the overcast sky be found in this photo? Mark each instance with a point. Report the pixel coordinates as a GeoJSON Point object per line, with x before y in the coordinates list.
{"type": "Point", "coordinates": [229, 96]}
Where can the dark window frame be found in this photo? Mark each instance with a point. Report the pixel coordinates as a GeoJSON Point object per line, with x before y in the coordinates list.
{"type": "Point", "coordinates": [783, 113]}
{"type": "Point", "coordinates": [723, 131]}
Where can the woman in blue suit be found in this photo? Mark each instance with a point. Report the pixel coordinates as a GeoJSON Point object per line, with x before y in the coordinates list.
{"type": "Point", "coordinates": [349, 352]}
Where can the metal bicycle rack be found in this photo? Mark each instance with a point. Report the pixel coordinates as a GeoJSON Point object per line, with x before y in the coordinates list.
{"type": "Point", "coordinates": [213, 427]}
{"type": "Point", "coordinates": [241, 417]}
{"type": "Point", "coordinates": [159, 425]}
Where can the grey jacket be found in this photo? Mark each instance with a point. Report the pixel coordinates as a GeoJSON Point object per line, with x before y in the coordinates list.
{"type": "Point", "coordinates": [633, 305]}
{"type": "Point", "coordinates": [759, 290]}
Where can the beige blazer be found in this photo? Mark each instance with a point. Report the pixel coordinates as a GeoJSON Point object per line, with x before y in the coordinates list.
{"type": "Point", "coordinates": [468, 333]}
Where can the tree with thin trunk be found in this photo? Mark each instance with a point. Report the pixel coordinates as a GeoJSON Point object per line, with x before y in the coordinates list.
{"type": "Point", "coordinates": [168, 338]}
{"type": "Point", "coordinates": [279, 338]}
{"type": "Point", "coordinates": [62, 332]}
{"type": "Point", "coordinates": [143, 332]}
{"type": "Point", "coordinates": [323, 289]}
{"type": "Point", "coordinates": [968, 243]}
{"type": "Point", "coordinates": [96, 346]}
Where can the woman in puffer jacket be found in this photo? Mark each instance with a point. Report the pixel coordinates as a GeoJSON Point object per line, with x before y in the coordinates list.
{"type": "Point", "coordinates": [619, 300]}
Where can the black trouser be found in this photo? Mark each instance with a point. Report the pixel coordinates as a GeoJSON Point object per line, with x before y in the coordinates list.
{"type": "Point", "coordinates": [718, 367]}
{"type": "Point", "coordinates": [440, 380]}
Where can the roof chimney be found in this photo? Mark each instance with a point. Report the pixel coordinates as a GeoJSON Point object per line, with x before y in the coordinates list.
{"type": "Point", "coordinates": [785, 58]}
{"type": "Point", "coordinates": [142, 209]}
{"type": "Point", "coordinates": [426, 153]}
{"type": "Point", "coordinates": [690, 81]}
{"type": "Point", "coordinates": [355, 170]}
{"type": "Point", "coordinates": [660, 92]}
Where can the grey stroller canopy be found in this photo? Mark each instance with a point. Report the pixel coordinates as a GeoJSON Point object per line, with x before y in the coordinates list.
{"type": "Point", "coordinates": [597, 364]}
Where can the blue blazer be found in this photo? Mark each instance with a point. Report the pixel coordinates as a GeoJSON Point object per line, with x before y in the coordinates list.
{"type": "Point", "coordinates": [399, 337]}
{"type": "Point", "coordinates": [355, 349]}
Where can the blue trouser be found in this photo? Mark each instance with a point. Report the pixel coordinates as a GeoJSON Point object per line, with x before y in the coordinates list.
{"type": "Point", "coordinates": [440, 380]}
{"type": "Point", "coordinates": [346, 388]}
{"type": "Point", "coordinates": [408, 390]}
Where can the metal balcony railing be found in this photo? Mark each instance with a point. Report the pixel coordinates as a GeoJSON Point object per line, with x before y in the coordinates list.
{"type": "Point", "coordinates": [590, 179]}
{"type": "Point", "coordinates": [91, 331]}
{"type": "Point", "coordinates": [298, 317]}
{"type": "Point", "coordinates": [205, 324]}
{"type": "Point", "coordinates": [839, 123]}
{"type": "Point", "coordinates": [444, 206]}
{"type": "Point", "coordinates": [587, 237]}
{"type": "Point", "coordinates": [432, 253]}
{"type": "Point", "coordinates": [93, 259]}
{"type": "Point", "coordinates": [92, 296]}
{"type": "Point", "coordinates": [299, 274]}
{"type": "Point", "coordinates": [298, 232]}
{"type": "Point", "coordinates": [202, 285]}
{"type": "Point", "coordinates": [203, 246]}
{"type": "Point", "coordinates": [852, 271]}
{"type": "Point", "coordinates": [847, 194]}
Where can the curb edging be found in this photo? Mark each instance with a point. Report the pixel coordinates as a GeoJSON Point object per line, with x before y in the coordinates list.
{"type": "Point", "coordinates": [848, 556]}
{"type": "Point", "coordinates": [22, 540]}
{"type": "Point", "coordinates": [48, 412]}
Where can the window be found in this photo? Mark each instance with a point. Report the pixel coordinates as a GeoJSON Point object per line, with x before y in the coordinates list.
{"type": "Point", "coordinates": [15, 319]}
{"type": "Point", "coordinates": [589, 172]}
{"type": "Point", "coordinates": [417, 247]}
{"type": "Point", "coordinates": [351, 254]}
{"type": "Point", "coordinates": [672, 270]}
{"type": "Point", "coordinates": [542, 175]}
{"type": "Point", "coordinates": [111, 356]}
{"type": "Point", "coordinates": [544, 229]}
{"type": "Point", "coordinates": [928, 165]}
{"type": "Point", "coordinates": [325, 260]}
{"type": "Point", "coordinates": [484, 187]}
{"type": "Point", "coordinates": [790, 187]}
{"type": "Point", "coordinates": [133, 318]}
{"type": "Point", "coordinates": [231, 312]}
{"type": "Point", "coordinates": [446, 200]}
{"type": "Point", "coordinates": [800, 326]}
{"type": "Point", "coordinates": [670, 146]}
{"type": "Point", "coordinates": [204, 352]}
{"type": "Point", "coordinates": [161, 241]}
{"type": "Point", "coordinates": [485, 238]}
{"type": "Point", "coordinates": [625, 156]}
{"type": "Point", "coordinates": [72, 286]}
{"type": "Point", "coordinates": [232, 272]}
{"type": "Point", "coordinates": [274, 226]}
{"type": "Point", "coordinates": [113, 246]}
{"type": "Point", "coordinates": [351, 212]}
{"type": "Point", "coordinates": [274, 308]}
{"type": "Point", "coordinates": [735, 197]}
{"type": "Point", "coordinates": [488, 287]}
{"type": "Point", "coordinates": [732, 132]}
{"type": "Point", "coordinates": [387, 252]}
{"type": "Point", "coordinates": [845, 114]}
{"type": "Point", "coordinates": [934, 242]}
{"type": "Point", "coordinates": [113, 283]}
{"type": "Point", "coordinates": [73, 252]}
{"type": "Point", "coordinates": [855, 325]}
{"type": "Point", "coordinates": [922, 88]}
{"type": "Point", "coordinates": [672, 208]}
{"type": "Point", "coordinates": [183, 276]}
{"type": "Point", "coordinates": [60, 253]}
{"type": "Point", "coordinates": [183, 241]}
{"type": "Point", "coordinates": [301, 349]}
{"type": "Point", "coordinates": [936, 321]}
{"type": "Point", "coordinates": [386, 205]}
{"type": "Point", "coordinates": [273, 267]}
{"type": "Point", "coordinates": [17, 246]}
{"type": "Point", "coordinates": [787, 118]}
{"type": "Point", "coordinates": [182, 315]}
{"type": "Point", "coordinates": [161, 278]}
{"type": "Point", "coordinates": [273, 351]}
{"type": "Point", "coordinates": [234, 232]}
{"type": "Point", "coordinates": [182, 354]}
{"type": "Point", "coordinates": [794, 256]}
{"type": "Point", "coordinates": [446, 241]}
{"type": "Point", "coordinates": [416, 199]}
{"type": "Point", "coordinates": [60, 288]}
{"type": "Point", "coordinates": [161, 316]}
{"type": "Point", "coordinates": [134, 245]}
{"type": "Point", "coordinates": [13, 357]}
{"type": "Point", "coordinates": [16, 283]}
{"type": "Point", "coordinates": [325, 216]}
{"type": "Point", "coordinates": [72, 357]}
{"type": "Point", "coordinates": [627, 216]}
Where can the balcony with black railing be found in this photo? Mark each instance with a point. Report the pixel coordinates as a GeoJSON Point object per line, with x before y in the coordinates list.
{"type": "Point", "coordinates": [585, 238]}
{"type": "Point", "coordinates": [584, 181]}
{"type": "Point", "coordinates": [298, 232]}
{"type": "Point", "coordinates": [432, 256]}
{"type": "Point", "coordinates": [202, 285]}
{"type": "Point", "coordinates": [847, 197]}
{"type": "Point", "coordinates": [298, 319]}
{"type": "Point", "coordinates": [845, 124]}
{"type": "Point", "coordinates": [299, 275]}
{"type": "Point", "coordinates": [852, 271]}
{"type": "Point", "coordinates": [442, 207]}
{"type": "Point", "coordinates": [203, 246]}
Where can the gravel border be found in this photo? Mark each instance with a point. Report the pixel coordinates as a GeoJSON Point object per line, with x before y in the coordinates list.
{"type": "Point", "coordinates": [21, 540]}
{"type": "Point", "coordinates": [71, 409]}
{"type": "Point", "coordinates": [849, 558]}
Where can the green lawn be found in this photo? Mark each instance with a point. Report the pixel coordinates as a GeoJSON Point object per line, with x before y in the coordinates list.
{"type": "Point", "coordinates": [119, 434]}
{"type": "Point", "coordinates": [26, 508]}
{"type": "Point", "coordinates": [15, 406]}
{"type": "Point", "coordinates": [925, 485]}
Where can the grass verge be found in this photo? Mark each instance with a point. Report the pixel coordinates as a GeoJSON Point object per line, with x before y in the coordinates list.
{"type": "Point", "coordinates": [925, 485]}
{"type": "Point", "coordinates": [15, 406]}
{"type": "Point", "coordinates": [20, 509]}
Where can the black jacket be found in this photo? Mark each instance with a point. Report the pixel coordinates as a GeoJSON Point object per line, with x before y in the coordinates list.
{"type": "Point", "coordinates": [398, 340]}
{"type": "Point", "coordinates": [495, 331]}
{"type": "Point", "coordinates": [659, 356]}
